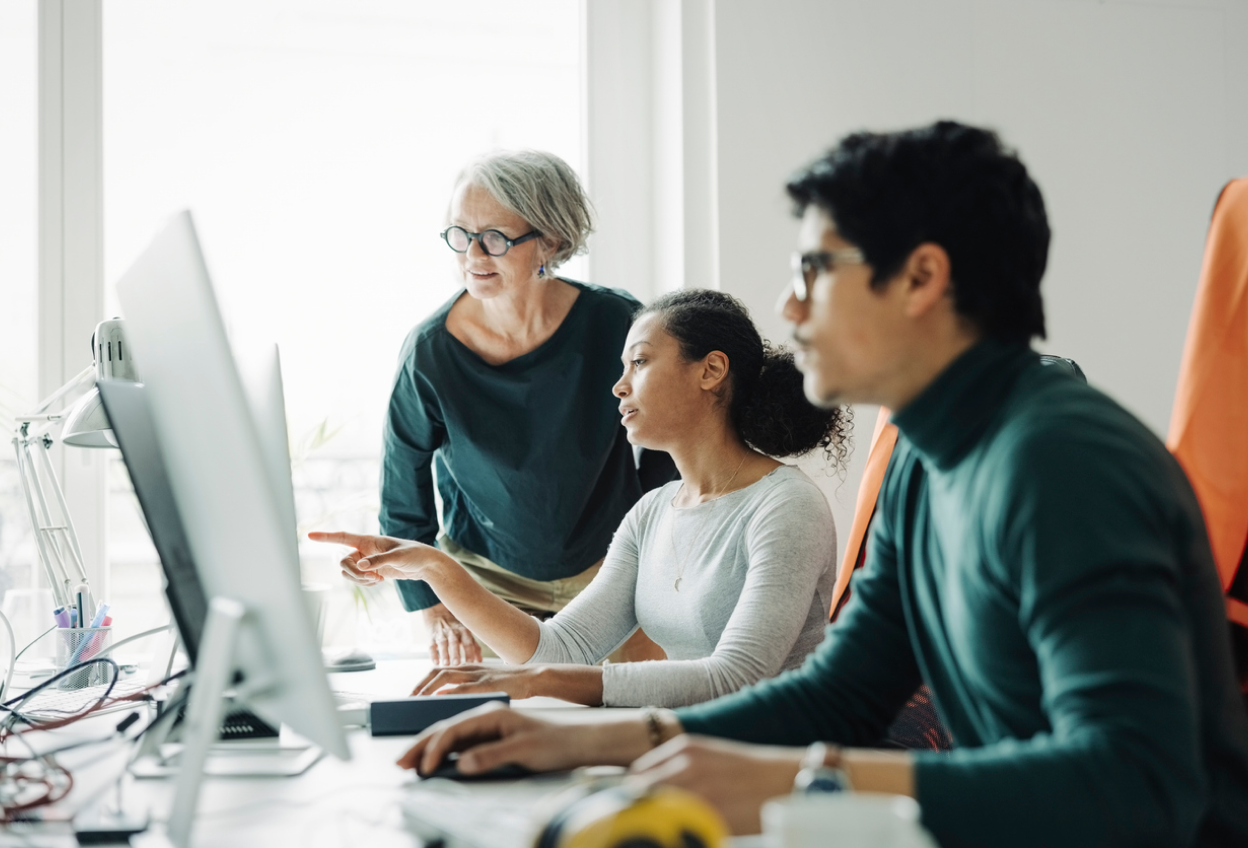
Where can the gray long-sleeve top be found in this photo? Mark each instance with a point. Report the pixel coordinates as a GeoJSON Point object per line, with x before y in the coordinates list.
{"type": "Point", "coordinates": [756, 568]}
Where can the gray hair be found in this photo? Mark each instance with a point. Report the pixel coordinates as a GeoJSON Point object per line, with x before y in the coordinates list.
{"type": "Point", "coordinates": [542, 189]}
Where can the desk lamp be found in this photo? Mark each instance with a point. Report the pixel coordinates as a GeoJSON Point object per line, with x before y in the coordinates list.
{"type": "Point", "coordinates": [84, 424]}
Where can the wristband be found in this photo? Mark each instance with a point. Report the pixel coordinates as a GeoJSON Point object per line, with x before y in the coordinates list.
{"type": "Point", "coordinates": [821, 771]}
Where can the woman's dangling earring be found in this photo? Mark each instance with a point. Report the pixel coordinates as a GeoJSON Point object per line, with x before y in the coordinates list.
{"type": "Point", "coordinates": [541, 272]}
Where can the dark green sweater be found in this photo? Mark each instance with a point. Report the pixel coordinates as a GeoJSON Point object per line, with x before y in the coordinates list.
{"type": "Point", "coordinates": [534, 469]}
{"type": "Point", "coordinates": [1039, 560]}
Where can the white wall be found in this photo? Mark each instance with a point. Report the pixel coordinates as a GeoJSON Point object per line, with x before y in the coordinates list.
{"type": "Point", "coordinates": [1129, 115]}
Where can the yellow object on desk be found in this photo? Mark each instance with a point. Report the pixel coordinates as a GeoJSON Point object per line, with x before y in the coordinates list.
{"type": "Point", "coordinates": [662, 817]}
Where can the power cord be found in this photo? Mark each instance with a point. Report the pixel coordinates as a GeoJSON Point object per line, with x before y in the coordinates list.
{"type": "Point", "coordinates": [6, 725]}
{"type": "Point", "coordinates": [133, 638]}
{"type": "Point", "coordinates": [34, 642]}
{"type": "Point", "coordinates": [40, 774]}
{"type": "Point", "coordinates": [37, 780]}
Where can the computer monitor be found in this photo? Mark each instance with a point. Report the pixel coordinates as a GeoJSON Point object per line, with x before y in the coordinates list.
{"type": "Point", "coordinates": [132, 425]}
{"type": "Point", "coordinates": [126, 404]}
{"type": "Point", "coordinates": [261, 372]}
{"type": "Point", "coordinates": [237, 522]}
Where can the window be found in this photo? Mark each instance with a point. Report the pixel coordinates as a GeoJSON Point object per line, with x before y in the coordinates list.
{"type": "Point", "coordinates": [19, 566]}
{"type": "Point", "coordinates": [316, 144]}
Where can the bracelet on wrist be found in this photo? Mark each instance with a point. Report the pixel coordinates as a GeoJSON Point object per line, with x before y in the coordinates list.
{"type": "Point", "coordinates": [822, 771]}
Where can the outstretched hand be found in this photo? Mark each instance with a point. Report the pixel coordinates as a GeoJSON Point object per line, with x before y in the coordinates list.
{"type": "Point", "coordinates": [377, 558]}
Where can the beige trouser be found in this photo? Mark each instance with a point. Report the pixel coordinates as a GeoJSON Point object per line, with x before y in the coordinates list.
{"type": "Point", "coordinates": [541, 598]}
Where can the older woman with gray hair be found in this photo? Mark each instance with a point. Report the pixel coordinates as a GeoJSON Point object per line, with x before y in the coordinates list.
{"type": "Point", "coordinates": [506, 391]}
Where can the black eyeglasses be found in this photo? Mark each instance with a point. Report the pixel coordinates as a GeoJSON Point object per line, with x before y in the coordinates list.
{"type": "Point", "coordinates": [808, 266]}
{"type": "Point", "coordinates": [492, 242]}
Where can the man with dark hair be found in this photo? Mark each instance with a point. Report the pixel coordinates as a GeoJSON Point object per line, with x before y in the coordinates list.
{"type": "Point", "coordinates": [1037, 558]}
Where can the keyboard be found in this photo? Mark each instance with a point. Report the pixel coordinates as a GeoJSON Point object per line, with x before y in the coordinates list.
{"type": "Point", "coordinates": [53, 704]}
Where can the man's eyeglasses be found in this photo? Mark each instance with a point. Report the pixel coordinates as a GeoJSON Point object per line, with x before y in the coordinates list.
{"type": "Point", "coordinates": [808, 266]}
{"type": "Point", "coordinates": [492, 242]}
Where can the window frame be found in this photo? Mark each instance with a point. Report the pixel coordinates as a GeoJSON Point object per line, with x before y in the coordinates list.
{"type": "Point", "coordinates": [70, 234]}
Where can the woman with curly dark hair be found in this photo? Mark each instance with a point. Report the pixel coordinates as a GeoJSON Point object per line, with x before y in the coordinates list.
{"type": "Point", "coordinates": [729, 569]}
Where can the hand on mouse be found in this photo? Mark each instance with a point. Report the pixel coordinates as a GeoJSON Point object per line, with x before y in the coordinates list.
{"type": "Point", "coordinates": [493, 735]}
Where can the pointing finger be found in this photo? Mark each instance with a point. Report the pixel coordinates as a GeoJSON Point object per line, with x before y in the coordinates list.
{"type": "Point", "coordinates": [337, 538]}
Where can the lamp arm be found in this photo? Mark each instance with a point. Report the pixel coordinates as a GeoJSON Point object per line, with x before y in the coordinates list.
{"type": "Point", "coordinates": [50, 536]}
{"type": "Point", "coordinates": [84, 377]}
{"type": "Point", "coordinates": [30, 486]}
{"type": "Point", "coordinates": [66, 530]}
{"type": "Point", "coordinates": [55, 537]}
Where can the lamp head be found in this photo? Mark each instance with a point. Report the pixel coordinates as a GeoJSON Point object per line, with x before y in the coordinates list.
{"type": "Point", "coordinates": [86, 423]}
{"type": "Point", "coordinates": [111, 353]}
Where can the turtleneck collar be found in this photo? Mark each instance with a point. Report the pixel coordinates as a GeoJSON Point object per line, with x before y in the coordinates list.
{"type": "Point", "coordinates": [951, 414]}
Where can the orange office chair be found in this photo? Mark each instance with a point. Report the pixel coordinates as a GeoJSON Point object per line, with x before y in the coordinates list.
{"type": "Point", "coordinates": [918, 724]}
{"type": "Point", "coordinates": [1209, 426]}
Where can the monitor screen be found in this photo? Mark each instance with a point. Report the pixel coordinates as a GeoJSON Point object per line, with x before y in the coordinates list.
{"type": "Point", "coordinates": [126, 405]}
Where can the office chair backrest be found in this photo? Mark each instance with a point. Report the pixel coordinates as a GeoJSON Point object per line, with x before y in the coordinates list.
{"type": "Point", "coordinates": [1209, 425]}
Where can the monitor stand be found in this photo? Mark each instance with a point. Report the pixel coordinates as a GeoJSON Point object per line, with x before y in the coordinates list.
{"type": "Point", "coordinates": [235, 758]}
{"type": "Point", "coordinates": [213, 674]}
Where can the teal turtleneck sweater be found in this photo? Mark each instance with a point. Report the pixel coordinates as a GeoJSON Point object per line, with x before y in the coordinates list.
{"type": "Point", "coordinates": [1039, 560]}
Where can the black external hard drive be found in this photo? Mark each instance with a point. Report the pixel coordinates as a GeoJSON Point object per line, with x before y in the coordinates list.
{"type": "Point", "coordinates": [409, 716]}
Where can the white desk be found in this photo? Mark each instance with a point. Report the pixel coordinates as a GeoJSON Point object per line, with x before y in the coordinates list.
{"type": "Point", "coordinates": [332, 805]}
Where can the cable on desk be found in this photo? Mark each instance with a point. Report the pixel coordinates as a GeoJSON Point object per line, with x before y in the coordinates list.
{"type": "Point", "coordinates": [6, 726]}
{"type": "Point", "coordinates": [122, 726]}
{"type": "Point", "coordinates": [19, 775]}
{"type": "Point", "coordinates": [33, 642]}
{"type": "Point", "coordinates": [108, 650]}
{"type": "Point", "coordinates": [125, 724]}
{"type": "Point", "coordinates": [14, 657]}
{"type": "Point", "coordinates": [38, 772]}
{"type": "Point", "coordinates": [8, 678]}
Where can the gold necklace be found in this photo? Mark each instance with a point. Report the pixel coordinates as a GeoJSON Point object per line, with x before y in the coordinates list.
{"type": "Point", "coordinates": [671, 524]}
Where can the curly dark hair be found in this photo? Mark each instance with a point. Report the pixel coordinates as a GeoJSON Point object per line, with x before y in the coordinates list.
{"type": "Point", "coordinates": [953, 185]}
{"type": "Point", "coordinates": [766, 402]}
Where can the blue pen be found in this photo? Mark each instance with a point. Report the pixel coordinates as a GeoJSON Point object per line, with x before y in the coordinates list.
{"type": "Point", "coordinates": [99, 615]}
{"type": "Point", "coordinates": [95, 622]}
{"type": "Point", "coordinates": [73, 618]}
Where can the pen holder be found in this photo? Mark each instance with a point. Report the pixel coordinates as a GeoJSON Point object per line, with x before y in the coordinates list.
{"type": "Point", "coordinates": [77, 644]}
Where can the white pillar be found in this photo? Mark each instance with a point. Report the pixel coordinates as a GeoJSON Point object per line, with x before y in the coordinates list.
{"type": "Point", "coordinates": [651, 140]}
{"type": "Point", "coordinates": [71, 255]}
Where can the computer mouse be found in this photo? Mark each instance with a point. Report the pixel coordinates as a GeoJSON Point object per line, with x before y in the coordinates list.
{"type": "Point", "coordinates": [449, 769]}
{"type": "Point", "coordinates": [350, 661]}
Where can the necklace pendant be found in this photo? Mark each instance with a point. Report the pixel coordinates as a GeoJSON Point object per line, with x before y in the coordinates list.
{"type": "Point", "coordinates": [678, 579]}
